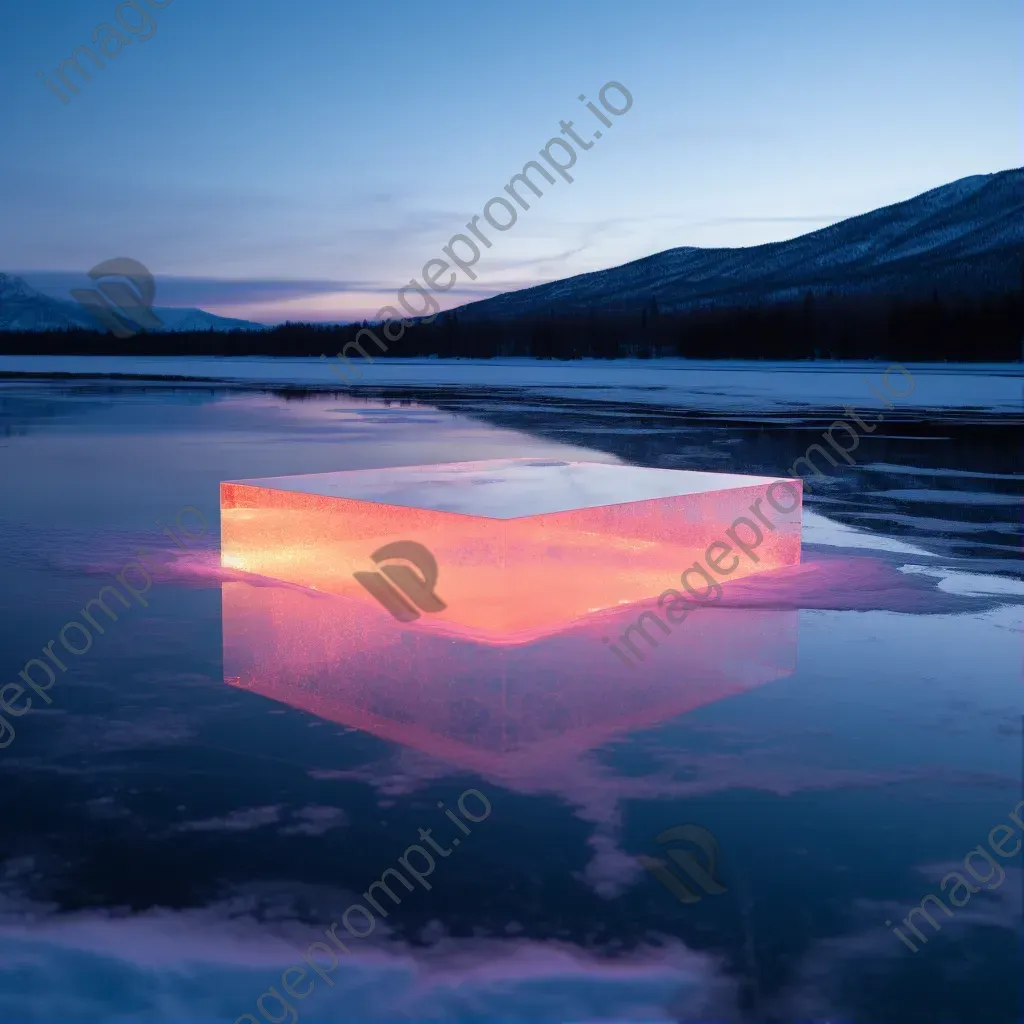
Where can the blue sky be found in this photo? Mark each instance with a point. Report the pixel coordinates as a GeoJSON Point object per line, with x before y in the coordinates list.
{"type": "Point", "coordinates": [278, 159]}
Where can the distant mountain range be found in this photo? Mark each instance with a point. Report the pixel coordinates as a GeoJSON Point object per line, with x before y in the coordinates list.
{"type": "Point", "coordinates": [965, 238]}
{"type": "Point", "coordinates": [23, 308]}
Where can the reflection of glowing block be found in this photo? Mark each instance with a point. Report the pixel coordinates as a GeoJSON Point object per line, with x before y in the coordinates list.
{"type": "Point", "coordinates": [516, 710]}
{"type": "Point", "coordinates": [523, 546]}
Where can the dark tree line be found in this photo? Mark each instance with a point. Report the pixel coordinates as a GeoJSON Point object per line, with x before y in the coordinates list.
{"type": "Point", "coordinates": [989, 329]}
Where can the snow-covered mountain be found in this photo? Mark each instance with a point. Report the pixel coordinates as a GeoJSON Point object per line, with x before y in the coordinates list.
{"type": "Point", "coordinates": [966, 237]}
{"type": "Point", "coordinates": [23, 308]}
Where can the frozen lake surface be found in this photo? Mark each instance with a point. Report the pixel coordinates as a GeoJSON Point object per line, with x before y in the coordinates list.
{"type": "Point", "coordinates": [172, 842]}
{"type": "Point", "coordinates": [689, 384]}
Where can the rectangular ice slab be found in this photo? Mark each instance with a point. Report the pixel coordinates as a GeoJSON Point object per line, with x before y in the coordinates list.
{"type": "Point", "coordinates": [522, 546]}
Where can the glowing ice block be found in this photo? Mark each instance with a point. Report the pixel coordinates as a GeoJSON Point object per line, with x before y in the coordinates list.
{"type": "Point", "coordinates": [522, 546]}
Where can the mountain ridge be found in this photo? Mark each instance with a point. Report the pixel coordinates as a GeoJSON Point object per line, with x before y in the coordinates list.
{"type": "Point", "coordinates": [24, 308]}
{"type": "Point", "coordinates": [908, 248]}
{"type": "Point", "coordinates": [964, 239]}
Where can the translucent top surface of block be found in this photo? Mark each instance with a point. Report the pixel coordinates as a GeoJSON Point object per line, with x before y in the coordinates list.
{"type": "Point", "coordinates": [508, 488]}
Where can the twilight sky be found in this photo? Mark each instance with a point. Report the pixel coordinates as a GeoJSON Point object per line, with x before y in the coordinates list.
{"type": "Point", "coordinates": [302, 159]}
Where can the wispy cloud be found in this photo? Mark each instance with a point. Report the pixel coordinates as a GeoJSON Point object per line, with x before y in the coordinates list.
{"type": "Point", "coordinates": [236, 821]}
{"type": "Point", "coordinates": [316, 820]}
{"type": "Point", "coordinates": [823, 219]}
{"type": "Point", "coordinates": [264, 299]}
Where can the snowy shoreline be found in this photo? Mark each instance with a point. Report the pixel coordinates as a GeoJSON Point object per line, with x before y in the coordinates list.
{"type": "Point", "coordinates": [734, 385]}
